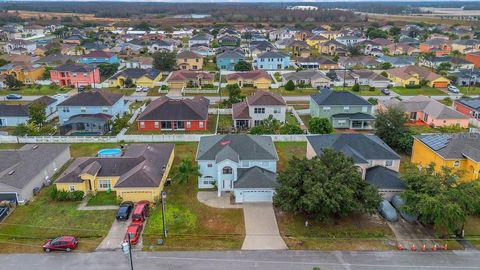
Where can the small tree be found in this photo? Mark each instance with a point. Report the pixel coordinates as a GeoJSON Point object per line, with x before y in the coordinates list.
{"type": "Point", "coordinates": [290, 86]}
{"type": "Point", "coordinates": [269, 125]}
{"type": "Point", "coordinates": [243, 66]}
{"type": "Point", "coordinates": [186, 170]}
{"type": "Point", "coordinates": [291, 129]}
{"type": "Point", "coordinates": [373, 101]}
{"type": "Point", "coordinates": [318, 125]}
{"type": "Point", "coordinates": [384, 74]}
{"type": "Point", "coordinates": [391, 128]}
{"type": "Point", "coordinates": [164, 61]}
{"type": "Point", "coordinates": [12, 82]}
{"type": "Point", "coordinates": [128, 83]}
{"type": "Point", "coordinates": [234, 94]}
{"type": "Point", "coordinates": [107, 70]}
{"type": "Point", "coordinates": [385, 65]}
{"type": "Point", "coordinates": [37, 113]}
{"type": "Point", "coordinates": [356, 87]}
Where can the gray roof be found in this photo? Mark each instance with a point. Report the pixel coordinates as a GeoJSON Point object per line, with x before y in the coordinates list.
{"type": "Point", "coordinates": [329, 97]}
{"type": "Point", "coordinates": [231, 55]}
{"type": "Point", "coordinates": [236, 147]}
{"type": "Point", "coordinates": [255, 177]}
{"type": "Point", "coordinates": [427, 105]}
{"type": "Point", "coordinates": [272, 54]}
{"type": "Point", "coordinates": [26, 163]}
{"type": "Point", "coordinates": [47, 100]}
{"type": "Point", "coordinates": [459, 146]}
{"type": "Point", "coordinates": [14, 110]}
{"type": "Point", "coordinates": [473, 103]}
{"type": "Point", "coordinates": [383, 178]}
{"type": "Point", "coordinates": [136, 73]}
{"type": "Point", "coordinates": [141, 166]}
{"type": "Point", "coordinates": [92, 98]}
{"type": "Point", "coordinates": [360, 147]}
{"type": "Point", "coordinates": [305, 75]}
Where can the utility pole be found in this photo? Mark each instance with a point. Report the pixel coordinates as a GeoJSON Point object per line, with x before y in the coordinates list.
{"type": "Point", "coordinates": [164, 198]}
{"type": "Point", "coordinates": [127, 248]}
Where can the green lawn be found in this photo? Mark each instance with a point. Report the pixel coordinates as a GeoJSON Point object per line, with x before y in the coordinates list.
{"type": "Point", "coordinates": [287, 150]}
{"type": "Point", "coordinates": [225, 123]}
{"type": "Point", "coordinates": [290, 119]}
{"type": "Point", "coordinates": [472, 91]}
{"type": "Point", "coordinates": [357, 232]}
{"type": "Point", "coordinates": [427, 91]}
{"type": "Point", "coordinates": [364, 91]}
{"type": "Point", "coordinates": [472, 231]}
{"type": "Point", "coordinates": [33, 91]}
{"type": "Point", "coordinates": [4, 146]}
{"type": "Point", "coordinates": [114, 90]}
{"type": "Point", "coordinates": [191, 224]}
{"type": "Point", "coordinates": [103, 198]}
{"type": "Point", "coordinates": [27, 228]}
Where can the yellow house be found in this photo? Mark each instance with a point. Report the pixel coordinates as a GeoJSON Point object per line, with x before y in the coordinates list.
{"type": "Point", "coordinates": [256, 78]}
{"type": "Point", "coordinates": [27, 73]}
{"type": "Point", "coordinates": [188, 60]}
{"type": "Point", "coordinates": [139, 174]}
{"type": "Point", "coordinates": [459, 151]}
{"type": "Point", "coordinates": [315, 40]}
{"type": "Point", "coordinates": [412, 75]}
{"type": "Point", "coordinates": [139, 76]}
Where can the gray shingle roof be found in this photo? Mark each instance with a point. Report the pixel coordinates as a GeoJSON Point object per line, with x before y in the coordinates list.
{"type": "Point", "coordinates": [473, 103]}
{"type": "Point", "coordinates": [383, 178]}
{"type": "Point", "coordinates": [245, 147]}
{"type": "Point", "coordinates": [135, 73]}
{"type": "Point", "coordinates": [360, 147]}
{"type": "Point", "coordinates": [272, 54]}
{"type": "Point", "coordinates": [26, 163]}
{"type": "Point", "coordinates": [92, 98]}
{"type": "Point", "coordinates": [166, 108]}
{"type": "Point", "coordinates": [328, 97]}
{"type": "Point", "coordinates": [459, 146]}
{"type": "Point", "coordinates": [255, 177]}
{"type": "Point", "coordinates": [14, 110]}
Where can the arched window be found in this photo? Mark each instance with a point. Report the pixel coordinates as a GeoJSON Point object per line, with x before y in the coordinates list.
{"type": "Point", "coordinates": [227, 170]}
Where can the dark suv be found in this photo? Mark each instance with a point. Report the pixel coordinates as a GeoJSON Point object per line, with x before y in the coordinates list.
{"type": "Point", "coordinates": [124, 210]}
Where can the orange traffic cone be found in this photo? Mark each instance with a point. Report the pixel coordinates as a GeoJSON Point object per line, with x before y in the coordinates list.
{"type": "Point", "coordinates": [434, 248]}
{"type": "Point", "coordinates": [414, 248]}
{"type": "Point", "coordinates": [424, 247]}
{"type": "Point", "coordinates": [445, 247]}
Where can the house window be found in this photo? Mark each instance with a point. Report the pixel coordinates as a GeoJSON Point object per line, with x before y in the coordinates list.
{"type": "Point", "coordinates": [276, 110]}
{"type": "Point", "coordinates": [105, 109]}
{"type": "Point", "coordinates": [104, 184]}
{"type": "Point", "coordinates": [189, 124]}
{"type": "Point", "coordinates": [66, 109]}
{"type": "Point", "coordinates": [200, 124]}
{"type": "Point", "coordinates": [342, 122]}
{"type": "Point", "coordinates": [142, 124]}
{"type": "Point", "coordinates": [74, 74]}
{"type": "Point", "coordinates": [166, 125]}
{"type": "Point", "coordinates": [71, 188]}
{"type": "Point", "coordinates": [326, 109]}
{"type": "Point", "coordinates": [258, 110]}
{"type": "Point", "coordinates": [227, 170]}
{"type": "Point", "coordinates": [209, 165]}
{"type": "Point", "coordinates": [364, 109]}
{"type": "Point", "coordinates": [346, 108]}
{"type": "Point", "coordinates": [388, 163]}
{"type": "Point", "coordinates": [245, 163]}
{"type": "Point", "coordinates": [456, 163]}
{"type": "Point", "coordinates": [83, 109]}
{"type": "Point", "coordinates": [156, 124]}
{"type": "Point", "coordinates": [85, 75]}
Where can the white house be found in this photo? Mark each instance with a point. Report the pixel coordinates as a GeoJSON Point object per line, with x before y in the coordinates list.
{"type": "Point", "coordinates": [161, 46]}
{"type": "Point", "coordinates": [243, 164]}
{"type": "Point", "coordinates": [257, 108]}
{"type": "Point", "coordinates": [18, 46]}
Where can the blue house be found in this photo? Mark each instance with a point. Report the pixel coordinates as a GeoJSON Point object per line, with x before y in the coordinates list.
{"type": "Point", "coordinates": [99, 57]}
{"type": "Point", "coordinates": [229, 59]}
{"type": "Point", "coordinates": [272, 60]}
{"type": "Point", "coordinates": [88, 113]}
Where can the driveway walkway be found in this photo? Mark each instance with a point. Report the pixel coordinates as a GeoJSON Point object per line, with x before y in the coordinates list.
{"type": "Point", "coordinates": [83, 206]}
{"type": "Point", "coordinates": [261, 228]}
{"type": "Point", "coordinates": [211, 199]}
{"type": "Point", "coordinates": [115, 236]}
{"type": "Point", "coordinates": [411, 233]}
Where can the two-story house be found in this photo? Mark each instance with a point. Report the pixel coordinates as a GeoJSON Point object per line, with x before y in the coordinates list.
{"type": "Point", "coordinates": [188, 60]}
{"type": "Point", "coordinates": [89, 112]}
{"type": "Point", "coordinates": [375, 160]}
{"type": "Point", "coordinates": [245, 165]}
{"type": "Point", "coordinates": [19, 46]}
{"type": "Point", "coordinates": [200, 39]}
{"type": "Point", "coordinates": [258, 107]}
{"type": "Point", "coordinates": [229, 59]}
{"type": "Point", "coordinates": [161, 46]}
{"type": "Point", "coordinates": [272, 60]}
{"type": "Point", "coordinates": [75, 75]}
{"type": "Point", "coordinates": [99, 57]}
{"type": "Point", "coordinates": [343, 108]}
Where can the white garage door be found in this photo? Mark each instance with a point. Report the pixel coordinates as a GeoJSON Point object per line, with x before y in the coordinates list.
{"type": "Point", "coordinates": [257, 196]}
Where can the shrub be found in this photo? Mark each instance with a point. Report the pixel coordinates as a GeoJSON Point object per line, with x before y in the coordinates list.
{"type": "Point", "coordinates": [164, 87]}
{"type": "Point", "coordinates": [62, 196]}
{"type": "Point", "coordinates": [371, 88]}
{"type": "Point", "coordinates": [356, 87]}
{"type": "Point", "coordinates": [319, 125]}
{"type": "Point", "coordinates": [373, 101]}
{"type": "Point", "coordinates": [290, 86]}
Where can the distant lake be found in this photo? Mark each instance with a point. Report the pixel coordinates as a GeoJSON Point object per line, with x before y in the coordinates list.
{"type": "Point", "coordinates": [192, 16]}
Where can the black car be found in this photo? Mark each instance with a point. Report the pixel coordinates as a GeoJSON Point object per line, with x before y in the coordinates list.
{"type": "Point", "coordinates": [124, 210]}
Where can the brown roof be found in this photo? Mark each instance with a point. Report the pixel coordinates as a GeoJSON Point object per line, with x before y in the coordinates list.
{"type": "Point", "coordinates": [183, 75]}
{"type": "Point", "coordinates": [249, 75]}
{"type": "Point", "coordinates": [188, 55]}
{"type": "Point", "coordinates": [409, 71]}
{"type": "Point", "coordinates": [240, 110]}
{"type": "Point", "coordinates": [166, 108]}
{"type": "Point", "coordinates": [265, 98]}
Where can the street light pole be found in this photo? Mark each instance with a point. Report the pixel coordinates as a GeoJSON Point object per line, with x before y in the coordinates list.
{"type": "Point", "coordinates": [164, 198]}
{"type": "Point", "coordinates": [127, 248]}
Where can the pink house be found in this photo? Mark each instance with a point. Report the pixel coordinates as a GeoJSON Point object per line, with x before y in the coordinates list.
{"type": "Point", "coordinates": [75, 75]}
{"type": "Point", "coordinates": [422, 109]}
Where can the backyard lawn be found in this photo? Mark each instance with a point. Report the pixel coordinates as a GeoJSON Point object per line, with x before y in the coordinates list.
{"type": "Point", "coordinates": [290, 119]}
{"type": "Point", "coordinates": [33, 91]}
{"type": "Point", "coordinates": [287, 150]}
{"type": "Point", "coordinates": [103, 198]}
{"type": "Point", "coordinates": [191, 224]}
{"type": "Point", "coordinates": [10, 145]}
{"type": "Point", "coordinates": [470, 91]}
{"type": "Point", "coordinates": [225, 123]}
{"type": "Point", "coordinates": [306, 118]}
{"type": "Point", "coordinates": [427, 91]}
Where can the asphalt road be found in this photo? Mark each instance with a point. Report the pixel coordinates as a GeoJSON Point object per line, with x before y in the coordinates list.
{"type": "Point", "coordinates": [235, 260]}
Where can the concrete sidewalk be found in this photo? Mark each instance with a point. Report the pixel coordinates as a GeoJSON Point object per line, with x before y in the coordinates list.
{"type": "Point", "coordinates": [211, 199]}
{"type": "Point", "coordinates": [83, 206]}
{"type": "Point", "coordinates": [261, 228]}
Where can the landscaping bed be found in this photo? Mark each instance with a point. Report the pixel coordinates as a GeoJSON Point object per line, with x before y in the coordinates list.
{"type": "Point", "coordinates": [103, 198]}
{"type": "Point", "coordinates": [191, 224]}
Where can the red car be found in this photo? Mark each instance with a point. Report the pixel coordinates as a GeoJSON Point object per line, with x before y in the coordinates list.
{"type": "Point", "coordinates": [141, 210]}
{"type": "Point", "coordinates": [66, 243]}
{"type": "Point", "coordinates": [134, 230]}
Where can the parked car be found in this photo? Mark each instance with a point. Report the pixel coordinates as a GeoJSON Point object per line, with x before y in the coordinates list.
{"type": "Point", "coordinates": [398, 202]}
{"type": "Point", "coordinates": [387, 211]}
{"type": "Point", "coordinates": [80, 89]}
{"type": "Point", "coordinates": [145, 89]}
{"type": "Point", "coordinates": [124, 210]}
{"type": "Point", "coordinates": [13, 96]}
{"type": "Point", "coordinates": [453, 89]}
{"type": "Point", "coordinates": [138, 89]}
{"type": "Point", "coordinates": [134, 230]}
{"type": "Point", "coordinates": [141, 211]}
{"type": "Point", "coordinates": [386, 91]}
{"type": "Point", "coordinates": [4, 212]}
{"type": "Point", "coordinates": [66, 243]}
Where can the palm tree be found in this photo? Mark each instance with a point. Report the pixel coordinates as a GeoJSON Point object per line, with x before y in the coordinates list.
{"type": "Point", "coordinates": [186, 170]}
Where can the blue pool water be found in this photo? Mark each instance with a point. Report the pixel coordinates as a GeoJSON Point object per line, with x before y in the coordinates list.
{"type": "Point", "coordinates": [110, 152]}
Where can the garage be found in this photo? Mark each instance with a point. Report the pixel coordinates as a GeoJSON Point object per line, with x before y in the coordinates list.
{"type": "Point", "coordinates": [441, 84]}
{"type": "Point", "coordinates": [137, 195]}
{"type": "Point", "coordinates": [176, 85]}
{"type": "Point", "coordinates": [257, 195]}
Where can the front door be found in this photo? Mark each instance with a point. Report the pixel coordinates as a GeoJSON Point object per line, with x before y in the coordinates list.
{"type": "Point", "coordinates": [227, 184]}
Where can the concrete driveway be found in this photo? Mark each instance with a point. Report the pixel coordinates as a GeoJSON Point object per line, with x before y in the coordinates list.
{"type": "Point", "coordinates": [261, 228]}
{"type": "Point", "coordinates": [411, 233]}
{"type": "Point", "coordinates": [115, 236]}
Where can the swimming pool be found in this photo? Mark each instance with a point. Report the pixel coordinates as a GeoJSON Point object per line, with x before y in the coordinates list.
{"type": "Point", "coordinates": [110, 152]}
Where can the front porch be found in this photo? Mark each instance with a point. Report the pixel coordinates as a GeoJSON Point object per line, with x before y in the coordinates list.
{"type": "Point", "coordinates": [86, 125]}
{"type": "Point", "coordinates": [355, 121]}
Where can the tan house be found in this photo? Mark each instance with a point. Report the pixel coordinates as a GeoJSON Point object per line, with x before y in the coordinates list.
{"type": "Point", "coordinates": [412, 75]}
{"type": "Point", "coordinates": [190, 79]}
{"type": "Point", "coordinates": [139, 174]}
{"type": "Point", "coordinates": [188, 60]}
{"type": "Point", "coordinates": [256, 78]}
